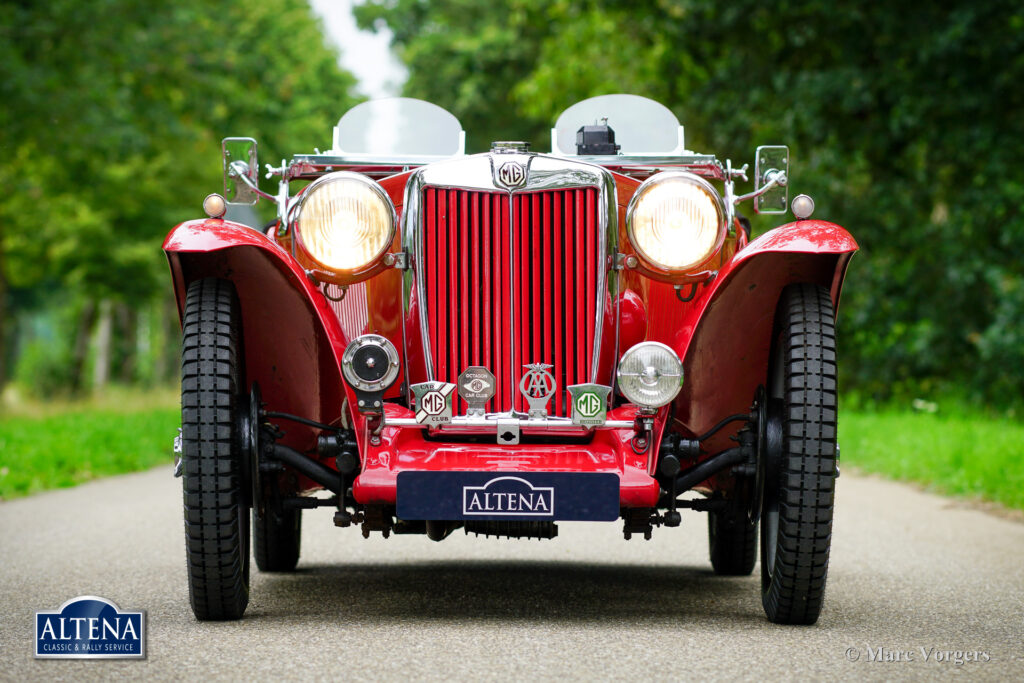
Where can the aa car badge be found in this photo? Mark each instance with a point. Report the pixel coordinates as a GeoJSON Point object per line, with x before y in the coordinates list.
{"type": "Point", "coordinates": [589, 404]}
{"type": "Point", "coordinates": [538, 386]}
{"type": "Point", "coordinates": [512, 174]}
{"type": "Point", "coordinates": [433, 402]}
{"type": "Point", "coordinates": [476, 387]}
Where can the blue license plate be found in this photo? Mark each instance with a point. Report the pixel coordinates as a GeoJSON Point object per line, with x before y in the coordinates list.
{"type": "Point", "coordinates": [525, 496]}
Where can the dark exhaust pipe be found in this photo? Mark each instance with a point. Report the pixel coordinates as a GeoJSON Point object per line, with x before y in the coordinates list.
{"type": "Point", "coordinates": [324, 476]}
{"type": "Point", "coordinates": [713, 465]}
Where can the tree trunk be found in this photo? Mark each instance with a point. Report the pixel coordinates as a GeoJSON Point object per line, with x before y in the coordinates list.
{"type": "Point", "coordinates": [101, 368]}
{"type": "Point", "coordinates": [85, 324]}
{"type": "Point", "coordinates": [4, 348]}
{"type": "Point", "coordinates": [127, 342]}
{"type": "Point", "coordinates": [168, 359]}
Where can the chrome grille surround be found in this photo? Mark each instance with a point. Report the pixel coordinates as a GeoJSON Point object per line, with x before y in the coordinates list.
{"type": "Point", "coordinates": [478, 173]}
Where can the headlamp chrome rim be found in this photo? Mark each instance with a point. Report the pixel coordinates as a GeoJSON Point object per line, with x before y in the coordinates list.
{"type": "Point", "coordinates": [650, 263]}
{"type": "Point", "coordinates": [342, 276]}
{"type": "Point", "coordinates": [677, 373]}
{"type": "Point", "coordinates": [357, 382]}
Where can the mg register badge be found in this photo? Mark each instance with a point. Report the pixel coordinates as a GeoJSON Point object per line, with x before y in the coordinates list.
{"type": "Point", "coordinates": [589, 404]}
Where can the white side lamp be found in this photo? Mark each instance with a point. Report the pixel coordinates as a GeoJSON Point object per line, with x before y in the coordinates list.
{"type": "Point", "coordinates": [803, 206]}
{"type": "Point", "coordinates": [214, 205]}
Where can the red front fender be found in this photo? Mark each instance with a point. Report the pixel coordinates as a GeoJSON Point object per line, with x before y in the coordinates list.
{"type": "Point", "coordinates": [292, 339]}
{"type": "Point", "coordinates": [725, 338]}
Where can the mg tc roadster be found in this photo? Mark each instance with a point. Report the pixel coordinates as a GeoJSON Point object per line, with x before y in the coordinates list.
{"type": "Point", "coordinates": [425, 341]}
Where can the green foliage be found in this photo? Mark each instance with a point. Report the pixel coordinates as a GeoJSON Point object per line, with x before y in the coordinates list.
{"type": "Point", "coordinates": [43, 366]}
{"type": "Point", "coordinates": [113, 114]}
{"type": "Point", "coordinates": [65, 450]}
{"type": "Point", "coordinates": [900, 123]}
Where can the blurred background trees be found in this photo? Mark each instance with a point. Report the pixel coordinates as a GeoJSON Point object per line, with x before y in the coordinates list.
{"type": "Point", "coordinates": [904, 124]}
{"type": "Point", "coordinates": [110, 129]}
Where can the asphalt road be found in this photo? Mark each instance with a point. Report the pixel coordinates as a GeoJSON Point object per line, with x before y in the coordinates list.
{"type": "Point", "coordinates": [910, 572]}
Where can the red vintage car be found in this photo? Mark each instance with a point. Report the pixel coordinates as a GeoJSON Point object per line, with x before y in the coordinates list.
{"type": "Point", "coordinates": [426, 341]}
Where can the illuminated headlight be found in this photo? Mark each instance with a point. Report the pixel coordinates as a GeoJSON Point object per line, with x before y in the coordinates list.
{"type": "Point", "coordinates": [370, 363]}
{"type": "Point", "coordinates": [650, 375]}
{"type": "Point", "coordinates": [345, 223]}
{"type": "Point", "coordinates": [676, 222]}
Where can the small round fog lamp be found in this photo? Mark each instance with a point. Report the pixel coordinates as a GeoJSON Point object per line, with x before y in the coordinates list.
{"type": "Point", "coordinates": [650, 375]}
{"type": "Point", "coordinates": [803, 206]}
{"type": "Point", "coordinates": [214, 205]}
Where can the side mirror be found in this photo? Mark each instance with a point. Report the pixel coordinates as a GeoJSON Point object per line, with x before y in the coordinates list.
{"type": "Point", "coordinates": [771, 168]}
{"type": "Point", "coordinates": [239, 166]}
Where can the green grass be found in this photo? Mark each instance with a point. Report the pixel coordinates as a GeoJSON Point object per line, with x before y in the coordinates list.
{"type": "Point", "coordinates": [53, 451]}
{"type": "Point", "coordinates": [963, 454]}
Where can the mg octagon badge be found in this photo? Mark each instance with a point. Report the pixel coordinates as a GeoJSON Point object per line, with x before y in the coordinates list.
{"type": "Point", "coordinates": [512, 174]}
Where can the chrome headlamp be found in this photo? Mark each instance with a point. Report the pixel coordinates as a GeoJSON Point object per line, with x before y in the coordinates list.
{"type": "Point", "coordinates": [675, 222]}
{"type": "Point", "coordinates": [650, 375]}
{"type": "Point", "coordinates": [343, 225]}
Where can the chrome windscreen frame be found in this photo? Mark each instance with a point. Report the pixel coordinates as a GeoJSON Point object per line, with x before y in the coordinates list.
{"type": "Point", "coordinates": [478, 173]}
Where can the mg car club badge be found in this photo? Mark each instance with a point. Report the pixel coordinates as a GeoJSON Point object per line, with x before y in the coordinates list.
{"type": "Point", "coordinates": [476, 387]}
{"type": "Point", "coordinates": [538, 386]}
{"type": "Point", "coordinates": [433, 402]}
{"type": "Point", "coordinates": [589, 404]}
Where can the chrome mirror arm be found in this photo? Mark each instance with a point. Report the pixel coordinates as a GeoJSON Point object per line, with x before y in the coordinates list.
{"type": "Point", "coordinates": [730, 197]}
{"type": "Point", "coordinates": [240, 171]}
{"type": "Point", "coordinates": [773, 178]}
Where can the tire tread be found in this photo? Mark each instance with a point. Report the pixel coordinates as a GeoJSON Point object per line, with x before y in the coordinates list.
{"type": "Point", "coordinates": [216, 544]}
{"type": "Point", "coordinates": [794, 591]}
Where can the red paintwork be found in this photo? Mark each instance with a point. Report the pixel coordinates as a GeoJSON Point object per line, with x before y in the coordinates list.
{"type": "Point", "coordinates": [406, 449]}
{"type": "Point", "coordinates": [724, 334]}
{"type": "Point", "coordinates": [632, 320]}
{"type": "Point", "coordinates": [294, 340]}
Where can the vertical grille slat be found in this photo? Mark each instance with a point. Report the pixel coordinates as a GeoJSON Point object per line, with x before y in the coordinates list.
{"type": "Point", "coordinates": [511, 280]}
{"type": "Point", "coordinates": [559, 320]}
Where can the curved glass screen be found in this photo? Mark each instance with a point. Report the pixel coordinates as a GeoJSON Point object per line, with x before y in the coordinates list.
{"type": "Point", "coordinates": [641, 125]}
{"type": "Point", "coordinates": [398, 125]}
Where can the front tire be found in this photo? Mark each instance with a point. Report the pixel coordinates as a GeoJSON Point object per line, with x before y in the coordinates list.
{"type": "Point", "coordinates": [216, 512]}
{"type": "Point", "coordinates": [796, 518]}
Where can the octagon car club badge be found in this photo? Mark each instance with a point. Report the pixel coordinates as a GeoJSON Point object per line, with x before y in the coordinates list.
{"type": "Point", "coordinates": [512, 174]}
{"type": "Point", "coordinates": [476, 387]}
{"type": "Point", "coordinates": [589, 404]}
{"type": "Point", "coordinates": [433, 402]}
